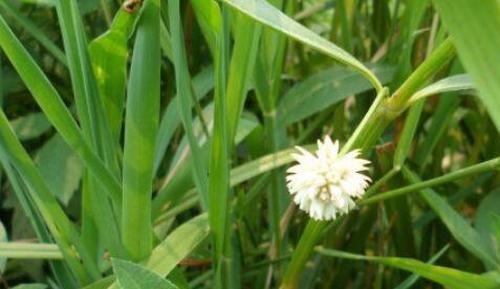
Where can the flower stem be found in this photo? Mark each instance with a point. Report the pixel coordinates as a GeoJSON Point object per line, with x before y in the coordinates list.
{"type": "Point", "coordinates": [381, 113]}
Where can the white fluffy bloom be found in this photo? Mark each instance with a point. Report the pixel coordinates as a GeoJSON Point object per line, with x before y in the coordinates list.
{"type": "Point", "coordinates": [325, 184]}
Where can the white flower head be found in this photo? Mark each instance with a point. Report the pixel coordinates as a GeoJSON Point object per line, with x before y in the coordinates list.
{"type": "Point", "coordinates": [326, 184]}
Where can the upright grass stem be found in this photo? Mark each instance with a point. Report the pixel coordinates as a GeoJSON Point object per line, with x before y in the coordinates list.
{"type": "Point", "coordinates": [382, 112]}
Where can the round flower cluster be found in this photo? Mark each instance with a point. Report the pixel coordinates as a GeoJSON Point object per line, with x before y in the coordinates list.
{"type": "Point", "coordinates": [325, 184]}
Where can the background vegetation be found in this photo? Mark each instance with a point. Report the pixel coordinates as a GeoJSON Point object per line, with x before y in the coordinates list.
{"type": "Point", "coordinates": [144, 144]}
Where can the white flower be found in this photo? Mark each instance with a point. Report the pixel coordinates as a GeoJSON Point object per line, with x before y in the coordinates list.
{"type": "Point", "coordinates": [325, 184]}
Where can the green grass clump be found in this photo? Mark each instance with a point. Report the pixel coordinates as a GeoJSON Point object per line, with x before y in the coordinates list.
{"type": "Point", "coordinates": [144, 143]}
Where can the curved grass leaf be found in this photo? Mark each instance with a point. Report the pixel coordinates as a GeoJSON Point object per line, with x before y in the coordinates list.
{"type": "Point", "coordinates": [448, 84]}
{"type": "Point", "coordinates": [448, 277]}
{"type": "Point", "coordinates": [487, 220]}
{"type": "Point", "coordinates": [323, 89]}
{"type": "Point", "coordinates": [461, 230]}
{"type": "Point", "coordinates": [133, 276]}
{"type": "Point", "coordinates": [477, 45]}
{"type": "Point", "coordinates": [269, 15]}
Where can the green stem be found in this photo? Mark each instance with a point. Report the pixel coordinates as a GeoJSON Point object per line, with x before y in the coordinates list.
{"type": "Point", "coordinates": [305, 247]}
{"type": "Point", "coordinates": [471, 170]}
{"type": "Point", "coordinates": [382, 112]}
{"type": "Point", "coordinates": [18, 250]}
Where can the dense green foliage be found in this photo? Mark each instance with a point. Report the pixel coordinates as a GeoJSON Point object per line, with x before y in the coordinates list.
{"type": "Point", "coordinates": [144, 143]}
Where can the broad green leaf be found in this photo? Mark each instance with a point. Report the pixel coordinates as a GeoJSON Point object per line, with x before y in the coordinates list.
{"type": "Point", "coordinates": [3, 238]}
{"type": "Point", "coordinates": [477, 45]}
{"type": "Point", "coordinates": [141, 124]}
{"type": "Point", "coordinates": [448, 277]}
{"type": "Point", "coordinates": [487, 220]}
{"type": "Point", "coordinates": [448, 84]}
{"type": "Point", "coordinates": [109, 56]}
{"type": "Point", "coordinates": [30, 126]}
{"type": "Point", "coordinates": [269, 15]}
{"type": "Point", "coordinates": [458, 226]}
{"type": "Point", "coordinates": [323, 89]}
{"type": "Point", "coordinates": [60, 167]}
{"type": "Point", "coordinates": [133, 276]}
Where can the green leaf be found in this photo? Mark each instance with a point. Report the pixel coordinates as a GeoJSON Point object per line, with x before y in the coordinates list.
{"type": "Point", "coordinates": [30, 286]}
{"type": "Point", "coordinates": [448, 277]}
{"type": "Point", "coordinates": [185, 99]}
{"type": "Point", "coordinates": [269, 15]}
{"type": "Point", "coordinates": [3, 238]}
{"type": "Point", "coordinates": [60, 167]}
{"type": "Point", "coordinates": [487, 220]}
{"type": "Point", "coordinates": [141, 124]}
{"type": "Point", "coordinates": [477, 45]}
{"type": "Point", "coordinates": [410, 281]}
{"type": "Point", "coordinates": [458, 226]}
{"type": "Point", "coordinates": [177, 246]}
{"type": "Point", "coordinates": [30, 126]}
{"type": "Point", "coordinates": [23, 250]}
{"type": "Point", "coordinates": [448, 84]}
{"type": "Point", "coordinates": [54, 108]}
{"type": "Point", "coordinates": [324, 89]}
{"type": "Point", "coordinates": [109, 56]}
{"type": "Point", "coordinates": [134, 276]}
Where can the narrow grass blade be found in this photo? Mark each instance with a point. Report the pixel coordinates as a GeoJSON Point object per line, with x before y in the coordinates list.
{"type": "Point", "coordinates": [269, 15]}
{"type": "Point", "coordinates": [95, 126]}
{"type": "Point", "coordinates": [458, 226]}
{"type": "Point", "coordinates": [54, 108]}
{"type": "Point", "coordinates": [410, 281]}
{"type": "Point", "coordinates": [20, 250]}
{"type": "Point", "coordinates": [476, 45]}
{"type": "Point", "coordinates": [59, 225]}
{"type": "Point", "coordinates": [202, 84]}
{"type": "Point", "coordinates": [448, 84]}
{"type": "Point", "coordinates": [209, 18]}
{"type": "Point", "coordinates": [409, 130]}
{"type": "Point", "coordinates": [62, 273]}
{"type": "Point", "coordinates": [244, 55]}
{"type": "Point", "coordinates": [447, 277]}
{"type": "Point", "coordinates": [3, 238]}
{"type": "Point", "coordinates": [36, 32]}
{"type": "Point", "coordinates": [185, 97]}
{"type": "Point", "coordinates": [141, 123]}
{"type": "Point", "coordinates": [132, 276]}
{"type": "Point", "coordinates": [468, 171]}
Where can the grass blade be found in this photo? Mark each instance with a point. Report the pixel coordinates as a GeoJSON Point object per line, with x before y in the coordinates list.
{"type": "Point", "coordinates": [476, 45]}
{"type": "Point", "coordinates": [447, 277]}
{"type": "Point", "coordinates": [267, 14]}
{"type": "Point", "coordinates": [132, 276]}
{"type": "Point", "coordinates": [458, 226]}
{"type": "Point", "coordinates": [54, 108]}
{"type": "Point", "coordinates": [141, 122]}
